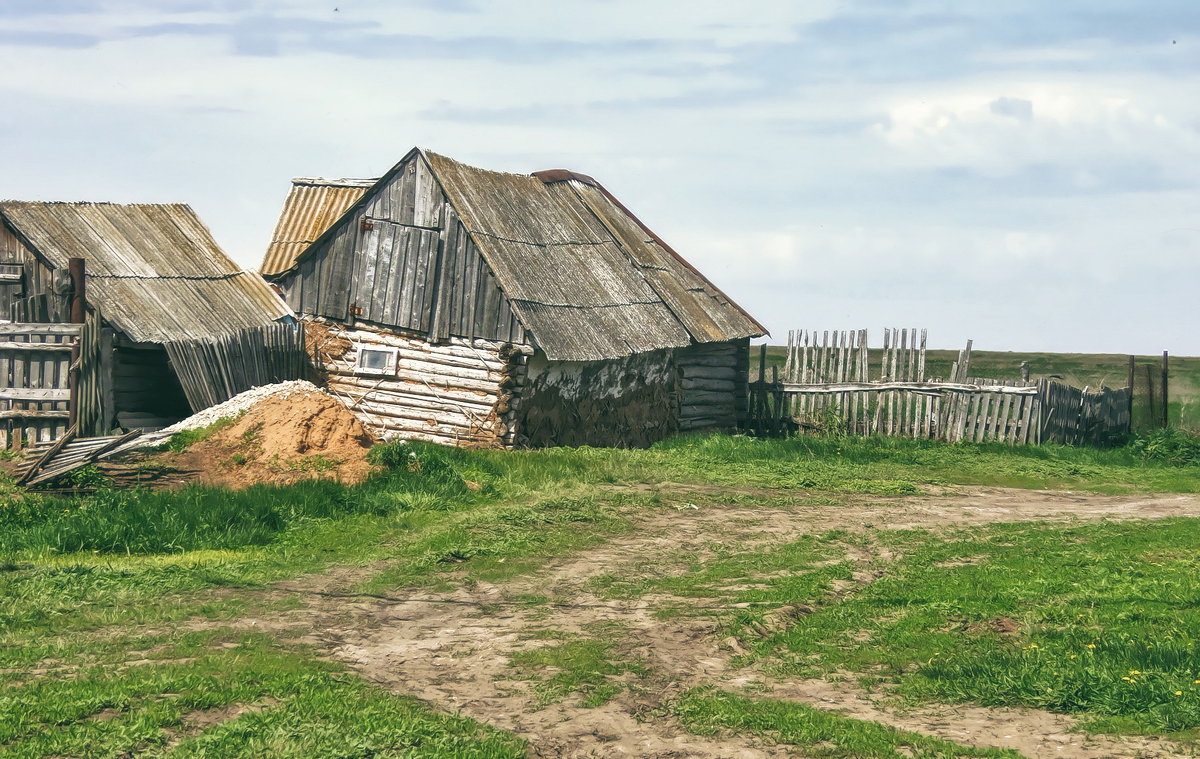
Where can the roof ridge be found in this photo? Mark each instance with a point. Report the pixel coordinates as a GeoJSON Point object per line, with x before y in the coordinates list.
{"type": "Point", "coordinates": [336, 182]}
{"type": "Point", "coordinates": [11, 201]}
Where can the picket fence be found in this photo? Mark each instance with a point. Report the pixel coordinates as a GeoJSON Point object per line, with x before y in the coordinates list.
{"type": "Point", "coordinates": [829, 383]}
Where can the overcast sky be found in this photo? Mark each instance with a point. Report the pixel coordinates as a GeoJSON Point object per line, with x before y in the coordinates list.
{"type": "Point", "coordinates": [1023, 173]}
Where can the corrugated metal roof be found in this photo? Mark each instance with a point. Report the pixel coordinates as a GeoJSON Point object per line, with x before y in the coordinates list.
{"type": "Point", "coordinates": [586, 277]}
{"type": "Point", "coordinates": [154, 270]}
{"type": "Point", "coordinates": [312, 206]}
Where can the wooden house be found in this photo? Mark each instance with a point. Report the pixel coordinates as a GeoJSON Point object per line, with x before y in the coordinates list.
{"type": "Point", "coordinates": [165, 303]}
{"type": "Point", "coordinates": [455, 304]}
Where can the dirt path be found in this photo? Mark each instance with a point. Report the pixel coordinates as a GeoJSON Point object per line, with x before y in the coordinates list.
{"type": "Point", "coordinates": [453, 649]}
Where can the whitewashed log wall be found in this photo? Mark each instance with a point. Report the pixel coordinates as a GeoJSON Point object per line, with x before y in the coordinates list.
{"type": "Point", "coordinates": [625, 402]}
{"type": "Point", "coordinates": [456, 393]}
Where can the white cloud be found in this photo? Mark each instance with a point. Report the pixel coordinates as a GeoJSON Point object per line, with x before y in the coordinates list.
{"type": "Point", "coordinates": [1000, 127]}
{"type": "Point", "coordinates": [864, 175]}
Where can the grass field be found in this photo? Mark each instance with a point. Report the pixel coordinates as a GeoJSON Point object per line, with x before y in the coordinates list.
{"type": "Point", "coordinates": [140, 623]}
{"type": "Point", "coordinates": [1078, 369]}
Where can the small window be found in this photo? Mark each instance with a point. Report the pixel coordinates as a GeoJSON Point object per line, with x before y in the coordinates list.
{"type": "Point", "coordinates": [376, 361]}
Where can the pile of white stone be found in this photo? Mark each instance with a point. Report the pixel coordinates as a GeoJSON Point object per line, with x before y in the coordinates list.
{"type": "Point", "coordinates": [230, 408]}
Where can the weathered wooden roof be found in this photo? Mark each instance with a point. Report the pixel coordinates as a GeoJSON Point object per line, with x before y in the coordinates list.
{"type": "Point", "coordinates": [312, 206]}
{"type": "Point", "coordinates": [582, 274]}
{"type": "Point", "coordinates": [154, 270]}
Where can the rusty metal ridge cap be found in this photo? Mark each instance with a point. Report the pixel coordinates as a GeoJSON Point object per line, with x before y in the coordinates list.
{"type": "Point", "coordinates": [549, 176]}
{"type": "Point", "coordinates": [340, 182]}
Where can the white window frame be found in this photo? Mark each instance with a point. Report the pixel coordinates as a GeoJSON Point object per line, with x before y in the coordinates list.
{"type": "Point", "coordinates": [388, 370]}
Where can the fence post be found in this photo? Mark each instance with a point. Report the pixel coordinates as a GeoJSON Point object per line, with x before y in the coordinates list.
{"type": "Point", "coordinates": [1150, 394]}
{"type": "Point", "coordinates": [1166, 421]}
{"type": "Point", "coordinates": [1129, 384]}
{"type": "Point", "coordinates": [76, 269]}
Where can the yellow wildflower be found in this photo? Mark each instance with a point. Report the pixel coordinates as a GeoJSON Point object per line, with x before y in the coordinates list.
{"type": "Point", "coordinates": [1178, 693]}
{"type": "Point", "coordinates": [1128, 679]}
{"type": "Point", "coordinates": [1091, 645]}
{"type": "Point", "coordinates": [1135, 672]}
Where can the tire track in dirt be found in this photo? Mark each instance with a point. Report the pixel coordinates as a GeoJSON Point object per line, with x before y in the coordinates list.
{"type": "Point", "coordinates": [453, 650]}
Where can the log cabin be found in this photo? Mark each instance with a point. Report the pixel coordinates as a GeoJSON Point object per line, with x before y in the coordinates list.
{"type": "Point", "coordinates": [473, 307]}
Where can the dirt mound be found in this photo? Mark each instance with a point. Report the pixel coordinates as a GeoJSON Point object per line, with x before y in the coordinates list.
{"type": "Point", "coordinates": [281, 440]}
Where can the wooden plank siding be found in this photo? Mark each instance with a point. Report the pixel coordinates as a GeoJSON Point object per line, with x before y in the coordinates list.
{"type": "Point", "coordinates": [215, 369]}
{"type": "Point", "coordinates": [35, 274]}
{"type": "Point", "coordinates": [404, 261]}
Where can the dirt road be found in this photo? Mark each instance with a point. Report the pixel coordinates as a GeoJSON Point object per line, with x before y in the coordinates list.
{"type": "Point", "coordinates": [454, 649]}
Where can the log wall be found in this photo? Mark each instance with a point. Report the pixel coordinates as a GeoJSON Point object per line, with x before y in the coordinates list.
{"type": "Point", "coordinates": [457, 393]}
{"type": "Point", "coordinates": [712, 385]}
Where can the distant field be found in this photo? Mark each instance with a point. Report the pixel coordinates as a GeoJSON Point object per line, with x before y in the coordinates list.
{"type": "Point", "coordinates": [1079, 369]}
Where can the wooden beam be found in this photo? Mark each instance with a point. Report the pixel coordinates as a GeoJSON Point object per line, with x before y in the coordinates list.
{"type": "Point", "coordinates": [49, 453]}
{"type": "Point", "coordinates": [34, 394]}
{"type": "Point", "coordinates": [14, 346]}
{"type": "Point", "coordinates": [930, 387]}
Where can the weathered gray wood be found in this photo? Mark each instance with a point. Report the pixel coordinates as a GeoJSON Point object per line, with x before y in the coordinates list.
{"type": "Point", "coordinates": [31, 430]}
{"type": "Point", "coordinates": [39, 329]}
{"type": "Point", "coordinates": [35, 464]}
{"type": "Point", "coordinates": [39, 394]}
{"type": "Point", "coordinates": [365, 272]}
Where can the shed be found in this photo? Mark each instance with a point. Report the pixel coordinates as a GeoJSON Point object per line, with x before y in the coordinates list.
{"type": "Point", "coordinates": [156, 281]}
{"type": "Point", "coordinates": [469, 306]}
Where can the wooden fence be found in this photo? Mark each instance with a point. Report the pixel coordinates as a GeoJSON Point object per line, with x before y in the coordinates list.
{"type": "Point", "coordinates": [35, 381]}
{"type": "Point", "coordinates": [213, 370]}
{"type": "Point", "coordinates": [828, 383]}
{"type": "Point", "coordinates": [1077, 417]}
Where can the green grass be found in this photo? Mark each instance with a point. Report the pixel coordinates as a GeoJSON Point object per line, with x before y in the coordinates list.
{"type": "Point", "coordinates": [587, 666]}
{"type": "Point", "coordinates": [424, 479]}
{"type": "Point", "coordinates": [250, 697]}
{"type": "Point", "coordinates": [183, 440]}
{"type": "Point", "coordinates": [821, 733]}
{"type": "Point", "coordinates": [1097, 620]}
{"type": "Point", "coordinates": [87, 582]}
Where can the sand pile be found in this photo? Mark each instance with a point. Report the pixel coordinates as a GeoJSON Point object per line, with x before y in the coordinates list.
{"type": "Point", "coordinates": [280, 439]}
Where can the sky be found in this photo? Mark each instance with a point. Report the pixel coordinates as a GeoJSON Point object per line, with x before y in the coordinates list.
{"type": "Point", "coordinates": [1024, 174]}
